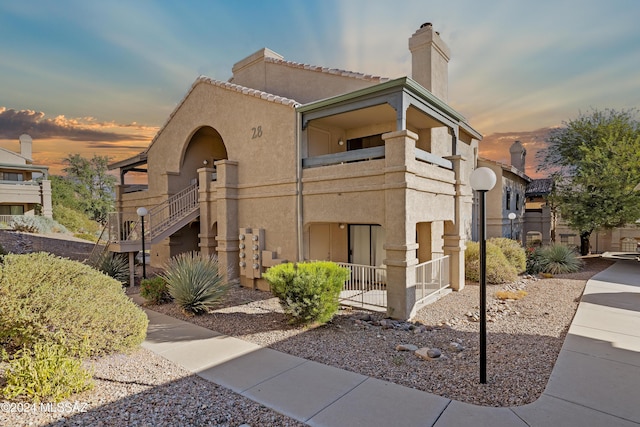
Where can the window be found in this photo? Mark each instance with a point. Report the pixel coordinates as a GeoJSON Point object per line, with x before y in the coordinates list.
{"type": "Point", "coordinates": [11, 210]}
{"type": "Point", "coordinates": [11, 176]}
{"type": "Point", "coordinates": [508, 199]}
{"type": "Point", "coordinates": [365, 142]}
{"type": "Point", "coordinates": [517, 201]}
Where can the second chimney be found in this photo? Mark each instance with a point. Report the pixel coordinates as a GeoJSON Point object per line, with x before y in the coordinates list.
{"type": "Point", "coordinates": [430, 61]}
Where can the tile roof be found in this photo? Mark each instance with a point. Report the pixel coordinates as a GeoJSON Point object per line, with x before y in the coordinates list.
{"type": "Point", "coordinates": [335, 71]}
{"type": "Point", "coordinates": [539, 187]}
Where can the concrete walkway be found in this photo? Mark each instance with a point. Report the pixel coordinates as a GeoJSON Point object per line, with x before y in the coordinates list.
{"type": "Point", "coordinates": [595, 382]}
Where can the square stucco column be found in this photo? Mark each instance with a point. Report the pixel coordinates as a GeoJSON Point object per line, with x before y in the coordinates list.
{"type": "Point", "coordinates": [47, 208]}
{"type": "Point", "coordinates": [455, 232]}
{"type": "Point", "coordinates": [227, 212]}
{"type": "Point", "coordinates": [208, 212]}
{"type": "Point", "coordinates": [400, 230]}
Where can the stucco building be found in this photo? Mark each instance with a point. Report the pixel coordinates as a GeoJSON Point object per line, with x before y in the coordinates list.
{"type": "Point", "coordinates": [23, 186]}
{"type": "Point", "coordinates": [506, 197]}
{"type": "Point", "coordinates": [289, 161]}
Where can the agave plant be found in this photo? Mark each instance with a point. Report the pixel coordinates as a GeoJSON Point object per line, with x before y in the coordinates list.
{"type": "Point", "coordinates": [561, 259]}
{"type": "Point", "coordinates": [114, 265]}
{"type": "Point", "coordinates": [195, 282]}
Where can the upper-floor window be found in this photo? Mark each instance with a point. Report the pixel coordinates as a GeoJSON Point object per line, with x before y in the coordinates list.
{"type": "Point", "coordinates": [365, 142]}
{"type": "Point", "coordinates": [11, 176]}
{"type": "Point", "coordinates": [11, 210]}
{"type": "Point", "coordinates": [508, 199]}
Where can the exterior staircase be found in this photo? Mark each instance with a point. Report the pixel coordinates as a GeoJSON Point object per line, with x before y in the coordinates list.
{"type": "Point", "coordinates": [123, 232]}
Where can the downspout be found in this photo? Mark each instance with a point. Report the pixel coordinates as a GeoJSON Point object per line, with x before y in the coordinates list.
{"type": "Point", "coordinates": [299, 187]}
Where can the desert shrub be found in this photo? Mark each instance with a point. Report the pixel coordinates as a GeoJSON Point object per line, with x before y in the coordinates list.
{"type": "Point", "coordinates": [195, 282]}
{"type": "Point", "coordinates": [36, 224]}
{"type": "Point", "coordinates": [536, 261]}
{"type": "Point", "coordinates": [75, 221]}
{"type": "Point", "coordinates": [60, 301]}
{"type": "Point", "coordinates": [308, 292]}
{"type": "Point", "coordinates": [513, 251]}
{"type": "Point", "coordinates": [155, 290]}
{"type": "Point", "coordinates": [86, 236]}
{"type": "Point", "coordinates": [560, 259]}
{"type": "Point", "coordinates": [519, 294]}
{"type": "Point", "coordinates": [499, 270]}
{"type": "Point", "coordinates": [45, 372]}
{"type": "Point", "coordinates": [114, 265]}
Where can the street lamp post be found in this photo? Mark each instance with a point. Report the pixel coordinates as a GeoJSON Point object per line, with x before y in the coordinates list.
{"type": "Point", "coordinates": [482, 180]}
{"type": "Point", "coordinates": [142, 212]}
{"type": "Point", "coordinates": [511, 217]}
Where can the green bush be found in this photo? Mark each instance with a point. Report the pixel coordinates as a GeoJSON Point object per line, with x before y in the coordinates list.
{"type": "Point", "coordinates": [513, 251]}
{"type": "Point", "coordinates": [536, 261]}
{"type": "Point", "coordinates": [195, 282]}
{"type": "Point", "coordinates": [308, 292]}
{"type": "Point", "coordinates": [45, 372]}
{"type": "Point", "coordinates": [114, 265]}
{"type": "Point", "coordinates": [56, 300]}
{"type": "Point", "coordinates": [36, 224]}
{"type": "Point", "coordinates": [560, 259]}
{"type": "Point", "coordinates": [75, 221]}
{"type": "Point", "coordinates": [155, 290]}
{"type": "Point", "coordinates": [499, 270]}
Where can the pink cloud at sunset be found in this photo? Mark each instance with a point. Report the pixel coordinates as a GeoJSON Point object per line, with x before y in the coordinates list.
{"type": "Point", "coordinates": [496, 147]}
{"type": "Point", "coordinates": [56, 138]}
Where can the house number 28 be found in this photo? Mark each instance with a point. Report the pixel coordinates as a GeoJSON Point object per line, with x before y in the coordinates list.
{"type": "Point", "coordinates": [257, 132]}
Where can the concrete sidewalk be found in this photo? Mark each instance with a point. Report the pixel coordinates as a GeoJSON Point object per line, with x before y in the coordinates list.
{"type": "Point", "coordinates": [594, 382]}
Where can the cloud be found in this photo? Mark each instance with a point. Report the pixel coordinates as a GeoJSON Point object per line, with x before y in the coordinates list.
{"type": "Point", "coordinates": [496, 147]}
{"type": "Point", "coordinates": [13, 123]}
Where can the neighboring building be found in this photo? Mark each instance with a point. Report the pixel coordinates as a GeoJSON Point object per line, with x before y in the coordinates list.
{"type": "Point", "coordinates": [508, 196]}
{"type": "Point", "coordinates": [540, 220]}
{"type": "Point", "coordinates": [23, 185]}
{"type": "Point", "coordinates": [289, 161]}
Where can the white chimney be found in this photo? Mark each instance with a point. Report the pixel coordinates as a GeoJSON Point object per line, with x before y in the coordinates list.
{"type": "Point", "coordinates": [25, 146]}
{"type": "Point", "coordinates": [430, 61]}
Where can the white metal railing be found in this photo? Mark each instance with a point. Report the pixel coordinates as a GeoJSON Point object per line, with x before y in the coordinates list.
{"type": "Point", "coordinates": [431, 278]}
{"type": "Point", "coordinates": [172, 210]}
{"type": "Point", "coordinates": [7, 218]}
{"type": "Point", "coordinates": [366, 285]}
{"type": "Point", "coordinates": [127, 227]}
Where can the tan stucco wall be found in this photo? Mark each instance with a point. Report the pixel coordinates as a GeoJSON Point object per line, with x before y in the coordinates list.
{"type": "Point", "coordinates": [295, 82]}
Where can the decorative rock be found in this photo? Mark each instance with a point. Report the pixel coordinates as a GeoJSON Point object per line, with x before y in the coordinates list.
{"type": "Point", "coordinates": [428, 353]}
{"type": "Point", "coordinates": [406, 347]}
{"type": "Point", "coordinates": [434, 353]}
{"type": "Point", "coordinates": [455, 346]}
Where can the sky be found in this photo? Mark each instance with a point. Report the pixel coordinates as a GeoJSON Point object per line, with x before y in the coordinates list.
{"type": "Point", "coordinates": [101, 77]}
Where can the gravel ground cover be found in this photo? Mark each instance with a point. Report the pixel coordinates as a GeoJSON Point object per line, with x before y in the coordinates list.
{"type": "Point", "coordinates": [523, 342]}
{"type": "Point", "coordinates": [524, 338]}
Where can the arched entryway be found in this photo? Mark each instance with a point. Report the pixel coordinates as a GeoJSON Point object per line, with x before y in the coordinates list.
{"type": "Point", "coordinates": [203, 149]}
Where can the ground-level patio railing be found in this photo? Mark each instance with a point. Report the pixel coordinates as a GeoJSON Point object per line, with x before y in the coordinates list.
{"type": "Point", "coordinates": [432, 277]}
{"type": "Point", "coordinates": [366, 286]}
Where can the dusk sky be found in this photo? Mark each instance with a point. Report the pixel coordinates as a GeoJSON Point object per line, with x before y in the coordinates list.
{"type": "Point", "coordinates": [102, 76]}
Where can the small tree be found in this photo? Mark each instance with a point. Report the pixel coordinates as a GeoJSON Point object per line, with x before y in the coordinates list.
{"type": "Point", "coordinates": [92, 184]}
{"type": "Point", "coordinates": [597, 162]}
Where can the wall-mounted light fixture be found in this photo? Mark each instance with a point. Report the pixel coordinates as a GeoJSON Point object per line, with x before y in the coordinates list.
{"type": "Point", "coordinates": [341, 226]}
{"type": "Point", "coordinates": [340, 142]}
{"type": "Point", "coordinates": [205, 162]}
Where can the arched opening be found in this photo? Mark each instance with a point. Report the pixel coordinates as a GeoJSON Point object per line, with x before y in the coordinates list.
{"type": "Point", "coordinates": [204, 148]}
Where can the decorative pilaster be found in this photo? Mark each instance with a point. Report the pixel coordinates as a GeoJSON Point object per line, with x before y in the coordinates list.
{"type": "Point", "coordinates": [227, 216]}
{"type": "Point", "coordinates": [400, 231]}
{"type": "Point", "coordinates": [208, 212]}
{"type": "Point", "coordinates": [455, 232]}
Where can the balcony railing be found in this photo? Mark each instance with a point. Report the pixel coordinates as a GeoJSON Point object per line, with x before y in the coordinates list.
{"type": "Point", "coordinates": [432, 277]}
{"type": "Point", "coordinates": [365, 287]}
{"type": "Point", "coordinates": [367, 154]}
